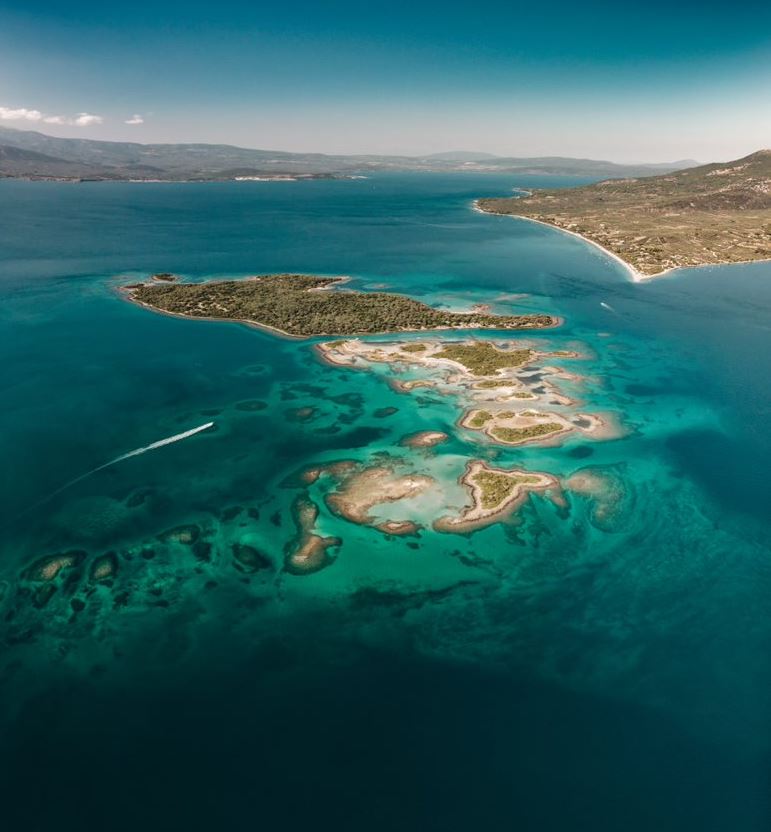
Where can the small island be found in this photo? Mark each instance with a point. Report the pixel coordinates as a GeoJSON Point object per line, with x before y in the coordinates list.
{"type": "Point", "coordinates": [470, 359]}
{"type": "Point", "coordinates": [708, 215]}
{"type": "Point", "coordinates": [375, 487]}
{"type": "Point", "coordinates": [424, 439]}
{"type": "Point", "coordinates": [381, 494]}
{"type": "Point", "coordinates": [304, 306]}
{"type": "Point", "coordinates": [524, 427]}
{"type": "Point", "coordinates": [495, 493]}
{"type": "Point", "coordinates": [309, 552]}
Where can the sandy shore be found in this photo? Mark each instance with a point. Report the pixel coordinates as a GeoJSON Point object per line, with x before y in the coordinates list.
{"type": "Point", "coordinates": [354, 352]}
{"type": "Point", "coordinates": [127, 293]}
{"type": "Point", "coordinates": [310, 551]}
{"type": "Point", "coordinates": [477, 515]}
{"type": "Point", "coordinates": [491, 403]}
{"type": "Point", "coordinates": [637, 277]}
{"type": "Point", "coordinates": [424, 439]}
{"type": "Point", "coordinates": [495, 424]}
{"type": "Point", "coordinates": [361, 492]}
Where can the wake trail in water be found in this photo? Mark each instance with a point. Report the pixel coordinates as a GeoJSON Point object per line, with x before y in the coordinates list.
{"type": "Point", "coordinates": [178, 437]}
{"type": "Point", "coordinates": [607, 306]}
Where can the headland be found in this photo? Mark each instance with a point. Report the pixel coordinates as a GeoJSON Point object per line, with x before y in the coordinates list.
{"type": "Point", "coordinates": [704, 216]}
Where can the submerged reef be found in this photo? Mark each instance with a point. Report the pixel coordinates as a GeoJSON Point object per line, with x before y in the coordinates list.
{"type": "Point", "coordinates": [424, 439]}
{"type": "Point", "coordinates": [48, 567]}
{"type": "Point", "coordinates": [309, 552]}
{"type": "Point", "coordinates": [608, 493]}
{"type": "Point", "coordinates": [186, 535]}
{"type": "Point", "coordinates": [247, 558]}
{"type": "Point", "coordinates": [405, 482]}
{"type": "Point", "coordinates": [104, 568]}
{"type": "Point", "coordinates": [378, 487]}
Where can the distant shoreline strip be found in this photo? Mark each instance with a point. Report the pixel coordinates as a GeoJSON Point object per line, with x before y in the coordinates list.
{"type": "Point", "coordinates": [637, 276]}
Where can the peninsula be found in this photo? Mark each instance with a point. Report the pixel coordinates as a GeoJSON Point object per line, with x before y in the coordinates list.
{"type": "Point", "coordinates": [303, 306]}
{"type": "Point", "coordinates": [707, 215]}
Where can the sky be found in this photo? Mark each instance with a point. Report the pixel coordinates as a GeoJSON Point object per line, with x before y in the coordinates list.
{"type": "Point", "coordinates": [624, 81]}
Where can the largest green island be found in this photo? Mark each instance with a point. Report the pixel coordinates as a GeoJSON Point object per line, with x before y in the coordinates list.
{"type": "Point", "coordinates": [304, 306]}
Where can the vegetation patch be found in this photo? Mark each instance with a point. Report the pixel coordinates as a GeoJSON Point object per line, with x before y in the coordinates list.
{"type": "Point", "coordinates": [296, 305]}
{"type": "Point", "coordinates": [718, 213]}
{"type": "Point", "coordinates": [479, 419]}
{"type": "Point", "coordinates": [495, 488]}
{"type": "Point", "coordinates": [493, 384]}
{"type": "Point", "coordinates": [482, 358]}
{"type": "Point", "coordinates": [531, 432]}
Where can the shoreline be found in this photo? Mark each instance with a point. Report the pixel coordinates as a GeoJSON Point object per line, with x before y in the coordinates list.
{"type": "Point", "coordinates": [465, 522]}
{"type": "Point", "coordinates": [637, 276]}
{"type": "Point", "coordinates": [126, 292]}
{"type": "Point", "coordinates": [127, 295]}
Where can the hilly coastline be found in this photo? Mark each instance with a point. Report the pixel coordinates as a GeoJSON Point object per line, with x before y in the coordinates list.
{"type": "Point", "coordinates": [707, 215]}
{"type": "Point", "coordinates": [29, 154]}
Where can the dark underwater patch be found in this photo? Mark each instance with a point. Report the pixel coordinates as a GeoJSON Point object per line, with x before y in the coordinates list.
{"type": "Point", "coordinates": [733, 472]}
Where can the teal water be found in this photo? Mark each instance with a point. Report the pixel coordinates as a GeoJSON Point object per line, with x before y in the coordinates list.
{"type": "Point", "coordinates": [567, 670]}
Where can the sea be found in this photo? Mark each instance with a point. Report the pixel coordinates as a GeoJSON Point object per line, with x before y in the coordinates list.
{"type": "Point", "coordinates": [588, 665]}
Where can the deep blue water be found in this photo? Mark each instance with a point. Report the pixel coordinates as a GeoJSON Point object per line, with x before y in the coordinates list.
{"type": "Point", "coordinates": [562, 673]}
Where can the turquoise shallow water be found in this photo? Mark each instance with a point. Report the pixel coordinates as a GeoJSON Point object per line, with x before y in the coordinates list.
{"type": "Point", "coordinates": [569, 670]}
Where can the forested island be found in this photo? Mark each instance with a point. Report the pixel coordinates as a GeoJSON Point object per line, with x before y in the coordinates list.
{"type": "Point", "coordinates": [708, 215]}
{"type": "Point", "coordinates": [304, 306]}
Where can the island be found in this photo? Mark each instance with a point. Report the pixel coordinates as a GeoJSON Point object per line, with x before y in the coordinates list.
{"type": "Point", "coordinates": [361, 490]}
{"type": "Point", "coordinates": [304, 306]}
{"type": "Point", "coordinates": [470, 359]}
{"type": "Point", "coordinates": [424, 439]}
{"type": "Point", "coordinates": [309, 551]}
{"type": "Point", "coordinates": [707, 215]}
{"type": "Point", "coordinates": [524, 427]}
{"type": "Point", "coordinates": [495, 493]}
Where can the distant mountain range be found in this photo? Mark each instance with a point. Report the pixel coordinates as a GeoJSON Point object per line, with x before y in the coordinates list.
{"type": "Point", "coordinates": [31, 155]}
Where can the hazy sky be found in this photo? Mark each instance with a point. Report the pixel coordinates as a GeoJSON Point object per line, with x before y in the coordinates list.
{"type": "Point", "coordinates": [624, 81]}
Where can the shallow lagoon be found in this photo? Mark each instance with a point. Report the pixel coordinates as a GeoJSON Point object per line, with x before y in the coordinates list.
{"type": "Point", "coordinates": [446, 680]}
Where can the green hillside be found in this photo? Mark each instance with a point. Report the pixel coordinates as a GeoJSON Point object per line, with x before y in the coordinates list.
{"type": "Point", "coordinates": [717, 213]}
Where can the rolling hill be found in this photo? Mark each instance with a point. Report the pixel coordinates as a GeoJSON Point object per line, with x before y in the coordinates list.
{"type": "Point", "coordinates": [711, 214]}
{"type": "Point", "coordinates": [91, 159]}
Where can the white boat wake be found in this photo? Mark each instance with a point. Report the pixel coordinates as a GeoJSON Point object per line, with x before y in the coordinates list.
{"type": "Point", "coordinates": [178, 437]}
{"type": "Point", "coordinates": [607, 306]}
